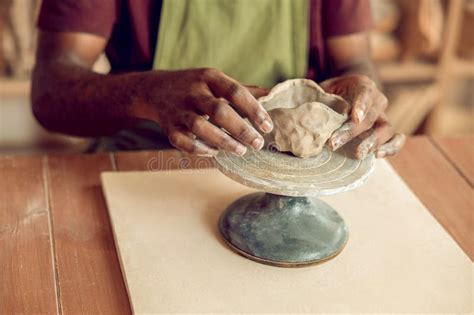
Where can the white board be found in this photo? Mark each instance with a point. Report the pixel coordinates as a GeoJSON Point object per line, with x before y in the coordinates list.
{"type": "Point", "coordinates": [398, 258]}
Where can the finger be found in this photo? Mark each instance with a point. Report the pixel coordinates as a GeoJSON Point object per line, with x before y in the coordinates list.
{"type": "Point", "coordinates": [223, 115]}
{"type": "Point", "coordinates": [327, 84]}
{"type": "Point", "coordinates": [376, 111]}
{"type": "Point", "coordinates": [368, 142]}
{"type": "Point", "coordinates": [180, 140]}
{"type": "Point", "coordinates": [392, 147]}
{"type": "Point", "coordinates": [257, 91]}
{"type": "Point", "coordinates": [213, 135]}
{"type": "Point", "coordinates": [350, 130]}
{"type": "Point", "coordinates": [372, 139]}
{"type": "Point", "coordinates": [384, 133]}
{"type": "Point", "coordinates": [241, 99]}
{"type": "Point", "coordinates": [342, 135]}
{"type": "Point", "coordinates": [360, 105]}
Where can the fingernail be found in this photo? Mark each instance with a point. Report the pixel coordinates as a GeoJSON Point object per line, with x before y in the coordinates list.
{"type": "Point", "coordinates": [206, 155]}
{"type": "Point", "coordinates": [209, 153]}
{"type": "Point", "coordinates": [339, 139]}
{"type": "Point", "coordinates": [213, 152]}
{"type": "Point", "coordinates": [257, 143]}
{"type": "Point", "coordinates": [240, 150]}
{"type": "Point", "coordinates": [360, 115]}
{"type": "Point", "coordinates": [336, 144]}
{"type": "Point", "coordinates": [367, 146]}
{"type": "Point", "coordinates": [362, 154]}
{"type": "Point", "coordinates": [266, 126]}
{"type": "Point", "coordinates": [201, 148]}
{"type": "Point", "coordinates": [381, 153]}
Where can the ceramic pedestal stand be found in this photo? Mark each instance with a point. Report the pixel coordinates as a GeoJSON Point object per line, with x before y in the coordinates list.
{"type": "Point", "coordinates": [286, 225]}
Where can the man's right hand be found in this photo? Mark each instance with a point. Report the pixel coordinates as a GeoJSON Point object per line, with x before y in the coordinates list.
{"type": "Point", "coordinates": [195, 106]}
{"type": "Point", "coordinates": [201, 110]}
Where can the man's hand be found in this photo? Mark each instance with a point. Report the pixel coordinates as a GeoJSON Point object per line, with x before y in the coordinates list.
{"type": "Point", "coordinates": [201, 110]}
{"type": "Point", "coordinates": [194, 106]}
{"type": "Point", "coordinates": [368, 120]}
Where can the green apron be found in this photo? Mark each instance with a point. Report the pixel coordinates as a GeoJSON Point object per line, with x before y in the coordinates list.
{"type": "Point", "coordinates": [257, 42]}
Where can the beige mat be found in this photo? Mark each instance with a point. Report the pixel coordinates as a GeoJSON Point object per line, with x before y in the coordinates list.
{"type": "Point", "coordinates": [398, 258]}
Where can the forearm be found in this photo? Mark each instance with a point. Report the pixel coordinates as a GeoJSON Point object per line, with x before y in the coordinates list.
{"type": "Point", "coordinates": [362, 66]}
{"type": "Point", "coordinates": [350, 54]}
{"type": "Point", "coordinates": [74, 100]}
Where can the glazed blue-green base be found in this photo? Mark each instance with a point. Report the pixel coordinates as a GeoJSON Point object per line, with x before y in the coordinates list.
{"type": "Point", "coordinates": [282, 230]}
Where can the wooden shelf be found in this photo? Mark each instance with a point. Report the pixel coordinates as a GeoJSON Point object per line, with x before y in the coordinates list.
{"type": "Point", "coordinates": [12, 87]}
{"type": "Point", "coordinates": [406, 72]}
{"type": "Point", "coordinates": [409, 107]}
{"type": "Point", "coordinates": [463, 68]}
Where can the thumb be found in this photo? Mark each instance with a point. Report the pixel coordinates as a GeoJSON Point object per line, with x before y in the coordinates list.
{"type": "Point", "coordinates": [257, 91]}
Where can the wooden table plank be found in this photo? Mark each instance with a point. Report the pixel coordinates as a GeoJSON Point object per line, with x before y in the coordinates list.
{"type": "Point", "coordinates": [90, 280]}
{"type": "Point", "coordinates": [27, 282]}
{"type": "Point", "coordinates": [440, 187]}
{"type": "Point", "coordinates": [147, 160]}
{"type": "Point", "coordinates": [460, 151]}
{"type": "Point", "coordinates": [160, 160]}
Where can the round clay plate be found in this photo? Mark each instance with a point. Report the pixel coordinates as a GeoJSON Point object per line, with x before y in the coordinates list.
{"type": "Point", "coordinates": [285, 174]}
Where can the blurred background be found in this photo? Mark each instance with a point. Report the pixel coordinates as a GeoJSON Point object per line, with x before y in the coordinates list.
{"type": "Point", "coordinates": [424, 52]}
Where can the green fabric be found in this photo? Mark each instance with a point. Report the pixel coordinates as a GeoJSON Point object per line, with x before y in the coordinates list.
{"type": "Point", "coordinates": [257, 42]}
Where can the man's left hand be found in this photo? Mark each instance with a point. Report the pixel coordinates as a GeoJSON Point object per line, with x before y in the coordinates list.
{"type": "Point", "coordinates": [368, 119]}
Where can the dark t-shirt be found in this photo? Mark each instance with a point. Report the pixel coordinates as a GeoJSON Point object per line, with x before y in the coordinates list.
{"type": "Point", "coordinates": [131, 27]}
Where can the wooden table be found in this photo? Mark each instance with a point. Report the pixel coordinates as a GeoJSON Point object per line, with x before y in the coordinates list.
{"type": "Point", "coordinates": [57, 252]}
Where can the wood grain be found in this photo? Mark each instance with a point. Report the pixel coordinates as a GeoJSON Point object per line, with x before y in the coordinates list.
{"type": "Point", "coordinates": [440, 187]}
{"type": "Point", "coordinates": [90, 280]}
{"type": "Point", "coordinates": [27, 282]}
{"type": "Point", "coordinates": [460, 151]}
{"type": "Point", "coordinates": [147, 160]}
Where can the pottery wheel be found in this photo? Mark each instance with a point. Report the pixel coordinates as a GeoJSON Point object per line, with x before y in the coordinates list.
{"type": "Point", "coordinates": [284, 174]}
{"type": "Point", "coordinates": [285, 226]}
